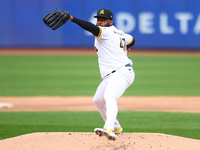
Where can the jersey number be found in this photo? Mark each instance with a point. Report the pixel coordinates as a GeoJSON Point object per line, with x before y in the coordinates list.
{"type": "Point", "coordinates": [123, 43]}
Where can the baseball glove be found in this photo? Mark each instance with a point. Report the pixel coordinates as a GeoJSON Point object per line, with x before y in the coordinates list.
{"type": "Point", "coordinates": [56, 18]}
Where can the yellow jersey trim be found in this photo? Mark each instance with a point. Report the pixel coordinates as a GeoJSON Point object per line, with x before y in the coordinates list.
{"type": "Point", "coordinates": [100, 32]}
{"type": "Point", "coordinates": [131, 41]}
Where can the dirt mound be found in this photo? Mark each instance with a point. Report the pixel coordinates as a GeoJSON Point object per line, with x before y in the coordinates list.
{"type": "Point", "coordinates": [90, 141]}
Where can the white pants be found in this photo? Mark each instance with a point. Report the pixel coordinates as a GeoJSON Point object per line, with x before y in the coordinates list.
{"type": "Point", "coordinates": [108, 92]}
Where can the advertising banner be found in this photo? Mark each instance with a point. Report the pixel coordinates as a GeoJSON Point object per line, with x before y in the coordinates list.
{"type": "Point", "coordinates": [155, 24]}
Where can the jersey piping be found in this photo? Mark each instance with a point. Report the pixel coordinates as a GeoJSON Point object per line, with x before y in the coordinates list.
{"type": "Point", "coordinates": [100, 32]}
{"type": "Point", "coordinates": [131, 41]}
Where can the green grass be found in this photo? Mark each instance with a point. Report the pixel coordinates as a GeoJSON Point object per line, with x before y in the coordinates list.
{"type": "Point", "coordinates": [168, 75]}
{"type": "Point", "coordinates": [48, 75]}
{"type": "Point", "coordinates": [17, 123]}
{"type": "Point", "coordinates": [79, 75]}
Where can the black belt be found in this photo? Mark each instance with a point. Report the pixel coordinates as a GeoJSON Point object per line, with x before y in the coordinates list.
{"type": "Point", "coordinates": [127, 65]}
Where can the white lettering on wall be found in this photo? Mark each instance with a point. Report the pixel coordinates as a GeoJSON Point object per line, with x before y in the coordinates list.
{"type": "Point", "coordinates": [146, 23]}
{"type": "Point", "coordinates": [197, 26]}
{"type": "Point", "coordinates": [164, 25]}
{"type": "Point", "coordinates": [184, 18]}
{"type": "Point", "coordinates": [125, 22]}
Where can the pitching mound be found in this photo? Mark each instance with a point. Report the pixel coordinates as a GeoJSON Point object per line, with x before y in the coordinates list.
{"type": "Point", "coordinates": [90, 141]}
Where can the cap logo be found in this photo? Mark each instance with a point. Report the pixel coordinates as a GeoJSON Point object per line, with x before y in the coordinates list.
{"type": "Point", "coordinates": [101, 12]}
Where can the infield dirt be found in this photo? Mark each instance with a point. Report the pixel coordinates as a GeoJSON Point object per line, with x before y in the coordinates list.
{"type": "Point", "coordinates": [90, 141]}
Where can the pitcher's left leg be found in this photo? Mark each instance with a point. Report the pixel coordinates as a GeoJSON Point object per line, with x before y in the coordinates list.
{"type": "Point", "coordinates": [115, 89]}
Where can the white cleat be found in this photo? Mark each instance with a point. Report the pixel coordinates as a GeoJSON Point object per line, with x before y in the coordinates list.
{"type": "Point", "coordinates": [105, 132]}
{"type": "Point", "coordinates": [118, 131]}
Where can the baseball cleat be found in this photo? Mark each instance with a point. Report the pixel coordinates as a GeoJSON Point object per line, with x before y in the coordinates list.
{"type": "Point", "coordinates": [105, 132]}
{"type": "Point", "coordinates": [118, 131]}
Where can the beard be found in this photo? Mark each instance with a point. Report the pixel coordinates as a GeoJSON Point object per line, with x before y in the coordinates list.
{"type": "Point", "coordinates": [106, 25]}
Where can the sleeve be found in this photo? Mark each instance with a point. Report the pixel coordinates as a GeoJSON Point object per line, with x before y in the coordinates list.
{"type": "Point", "coordinates": [130, 41]}
{"type": "Point", "coordinates": [88, 26]}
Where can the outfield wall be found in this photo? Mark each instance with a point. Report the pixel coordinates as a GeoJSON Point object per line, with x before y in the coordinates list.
{"type": "Point", "coordinates": [155, 24]}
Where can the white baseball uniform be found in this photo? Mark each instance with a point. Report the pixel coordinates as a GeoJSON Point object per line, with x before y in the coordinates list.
{"type": "Point", "coordinates": [116, 72]}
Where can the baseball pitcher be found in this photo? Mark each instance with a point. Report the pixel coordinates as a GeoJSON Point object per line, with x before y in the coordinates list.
{"type": "Point", "coordinates": [115, 67]}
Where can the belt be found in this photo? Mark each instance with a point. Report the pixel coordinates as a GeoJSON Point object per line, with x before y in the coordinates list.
{"type": "Point", "coordinates": [127, 65]}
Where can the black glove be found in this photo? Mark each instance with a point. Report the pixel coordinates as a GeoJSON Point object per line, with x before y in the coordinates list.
{"type": "Point", "coordinates": [56, 18]}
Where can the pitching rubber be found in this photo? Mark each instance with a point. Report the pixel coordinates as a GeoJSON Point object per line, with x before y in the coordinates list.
{"type": "Point", "coordinates": [5, 105]}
